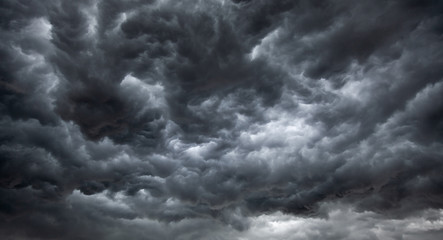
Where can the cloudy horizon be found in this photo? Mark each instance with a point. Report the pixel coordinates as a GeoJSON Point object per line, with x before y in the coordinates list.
{"type": "Point", "coordinates": [221, 119]}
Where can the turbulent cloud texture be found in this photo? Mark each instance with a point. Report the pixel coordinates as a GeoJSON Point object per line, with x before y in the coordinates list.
{"type": "Point", "coordinates": [217, 119]}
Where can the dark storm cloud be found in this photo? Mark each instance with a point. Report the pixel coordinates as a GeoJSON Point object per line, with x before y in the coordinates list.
{"type": "Point", "coordinates": [156, 119]}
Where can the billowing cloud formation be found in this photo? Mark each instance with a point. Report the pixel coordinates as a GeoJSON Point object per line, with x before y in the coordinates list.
{"type": "Point", "coordinates": [221, 119]}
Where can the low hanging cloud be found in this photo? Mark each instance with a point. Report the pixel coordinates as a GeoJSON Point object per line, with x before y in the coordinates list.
{"type": "Point", "coordinates": [221, 119]}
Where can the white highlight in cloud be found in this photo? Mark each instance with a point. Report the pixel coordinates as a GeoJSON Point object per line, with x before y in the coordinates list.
{"type": "Point", "coordinates": [343, 223]}
{"type": "Point", "coordinates": [257, 50]}
{"type": "Point", "coordinates": [40, 28]}
{"type": "Point", "coordinates": [151, 94]}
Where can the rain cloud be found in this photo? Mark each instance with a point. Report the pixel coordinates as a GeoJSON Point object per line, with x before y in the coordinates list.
{"type": "Point", "coordinates": [218, 119]}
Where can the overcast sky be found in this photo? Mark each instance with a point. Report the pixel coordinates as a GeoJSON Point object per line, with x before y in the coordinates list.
{"type": "Point", "coordinates": [221, 119]}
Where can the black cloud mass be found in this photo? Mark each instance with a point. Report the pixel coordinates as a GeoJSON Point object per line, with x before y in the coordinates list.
{"type": "Point", "coordinates": [217, 119]}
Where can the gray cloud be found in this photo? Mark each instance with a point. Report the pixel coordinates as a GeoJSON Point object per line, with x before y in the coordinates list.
{"type": "Point", "coordinates": [221, 119]}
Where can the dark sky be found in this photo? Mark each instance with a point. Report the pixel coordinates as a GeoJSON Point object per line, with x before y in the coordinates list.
{"type": "Point", "coordinates": [218, 119]}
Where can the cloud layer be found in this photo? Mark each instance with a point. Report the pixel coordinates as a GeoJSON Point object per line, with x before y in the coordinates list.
{"type": "Point", "coordinates": [221, 119]}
